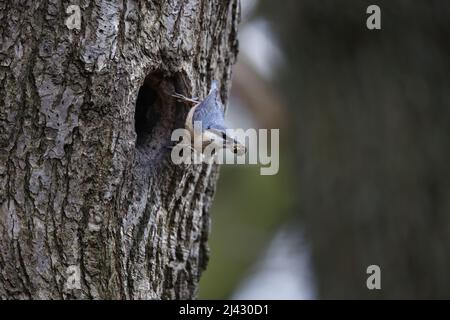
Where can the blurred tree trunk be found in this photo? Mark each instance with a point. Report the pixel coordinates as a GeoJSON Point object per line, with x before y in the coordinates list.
{"type": "Point", "coordinates": [90, 204]}
{"type": "Point", "coordinates": [372, 131]}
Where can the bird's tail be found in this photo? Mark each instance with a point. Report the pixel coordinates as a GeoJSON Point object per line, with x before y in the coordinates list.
{"type": "Point", "coordinates": [214, 86]}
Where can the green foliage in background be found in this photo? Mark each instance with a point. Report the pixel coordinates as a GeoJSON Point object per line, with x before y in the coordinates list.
{"type": "Point", "coordinates": [247, 210]}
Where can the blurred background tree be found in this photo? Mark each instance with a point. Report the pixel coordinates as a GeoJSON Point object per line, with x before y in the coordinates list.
{"type": "Point", "coordinates": [365, 175]}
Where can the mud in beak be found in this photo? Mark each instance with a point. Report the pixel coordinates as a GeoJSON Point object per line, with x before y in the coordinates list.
{"type": "Point", "coordinates": [239, 148]}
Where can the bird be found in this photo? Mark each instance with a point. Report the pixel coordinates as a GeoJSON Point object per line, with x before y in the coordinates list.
{"type": "Point", "coordinates": [210, 113]}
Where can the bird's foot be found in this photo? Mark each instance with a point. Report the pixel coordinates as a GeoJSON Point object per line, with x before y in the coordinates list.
{"type": "Point", "coordinates": [183, 98]}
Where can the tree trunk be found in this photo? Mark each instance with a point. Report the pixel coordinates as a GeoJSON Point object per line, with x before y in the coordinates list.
{"type": "Point", "coordinates": [90, 204]}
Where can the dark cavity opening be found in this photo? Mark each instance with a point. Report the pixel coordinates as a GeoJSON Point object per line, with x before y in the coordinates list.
{"type": "Point", "coordinates": [146, 115]}
{"type": "Point", "coordinates": [157, 113]}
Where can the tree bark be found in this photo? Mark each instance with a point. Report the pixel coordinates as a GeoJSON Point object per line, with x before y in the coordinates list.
{"type": "Point", "coordinates": [91, 206]}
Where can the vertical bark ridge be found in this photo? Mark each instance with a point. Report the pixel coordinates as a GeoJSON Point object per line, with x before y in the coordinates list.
{"type": "Point", "coordinates": [85, 211]}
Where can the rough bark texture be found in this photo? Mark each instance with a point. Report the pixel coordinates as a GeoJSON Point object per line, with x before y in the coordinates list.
{"type": "Point", "coordinates": [83, 189]}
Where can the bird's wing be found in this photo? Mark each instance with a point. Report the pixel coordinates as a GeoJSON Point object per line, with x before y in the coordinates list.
{"type": "Point", "coordinates": [210, 111]}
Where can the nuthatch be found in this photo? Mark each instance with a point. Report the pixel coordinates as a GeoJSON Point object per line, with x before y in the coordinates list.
{"type": "Point", "coordinates": [210, 113]}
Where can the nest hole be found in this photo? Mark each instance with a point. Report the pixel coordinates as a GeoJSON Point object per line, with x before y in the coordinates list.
{"type": "Point", "coordinates": [157, 113]}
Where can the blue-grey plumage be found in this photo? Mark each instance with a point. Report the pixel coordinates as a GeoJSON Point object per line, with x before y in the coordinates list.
{"type": "Point", "coordinates": [210, 113]}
